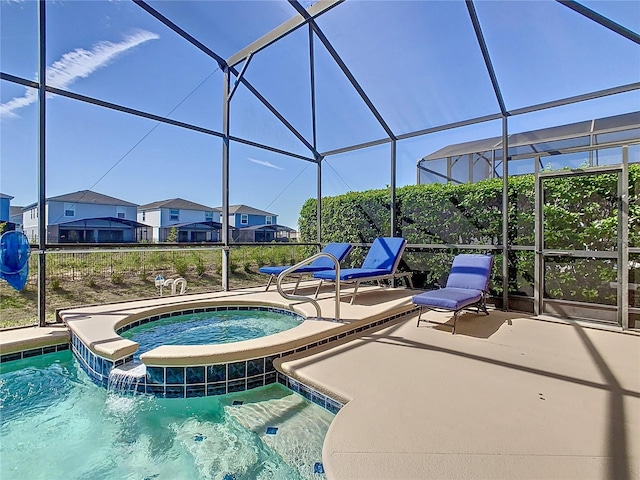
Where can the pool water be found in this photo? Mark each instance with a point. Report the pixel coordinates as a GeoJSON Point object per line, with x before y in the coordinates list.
{"type": "Point", "coordinates": [210, 328]}
{"type": "Point", "coordinates": [57, 424]}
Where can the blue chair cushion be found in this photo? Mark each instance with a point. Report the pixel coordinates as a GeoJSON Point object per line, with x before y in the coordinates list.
{"type": "Point", "coordinates": [338, 250]}
{"type": "Point", "coordinates": [448, 298]}
{"type": "Point", "coordinates": [471, 271]}
{"type": "Point", "coordinates": [351, 273]}
{"type": "Point", "coordinates": [384, 253]}
{"type": "Point", "coordinates": [303, 269]}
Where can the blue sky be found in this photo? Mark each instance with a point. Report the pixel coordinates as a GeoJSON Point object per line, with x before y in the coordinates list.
{"type": "Point", "coordinates": [418, 62]}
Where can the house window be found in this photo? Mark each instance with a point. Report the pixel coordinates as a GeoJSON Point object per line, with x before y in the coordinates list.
{"type": "Point", "coordinates": [121, 212]}
{"type": "Point", "coordinates": [144, 216]}
{"type": "Point", "coordinates": [244, 219]}
{"type": "Point", "coordinates": [174, 214]}
{"type": "Point", "coordinates": [69, 209]}
{"type": "Point", "coordinates": [208, 216]}
{"type": "Point", "coordinates": [268, 220]}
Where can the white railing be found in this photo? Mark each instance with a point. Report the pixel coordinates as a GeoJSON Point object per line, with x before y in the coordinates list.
{"type": "Point", "coordinates": [303, 299]}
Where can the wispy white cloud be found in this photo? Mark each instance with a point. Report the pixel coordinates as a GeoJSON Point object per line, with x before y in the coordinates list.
{"type": "Point", "coordinates": [265, 163]}
{"type": "Point", "coordinates": [29, 97]}
{"type": "Point", "coordinates": [79, 63]}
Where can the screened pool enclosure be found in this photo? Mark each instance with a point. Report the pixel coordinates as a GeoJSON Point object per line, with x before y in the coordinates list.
{"type": "Point", "coordinates": [292, 107]}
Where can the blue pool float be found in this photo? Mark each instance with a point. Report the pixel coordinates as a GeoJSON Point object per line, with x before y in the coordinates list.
{"type": "Point", "coordinates": [14, 258]}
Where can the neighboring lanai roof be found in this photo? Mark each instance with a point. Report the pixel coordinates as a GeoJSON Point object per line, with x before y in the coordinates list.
{"type": "Point", "coordinates": [87, 196]}
{"type": "Point", "coordinates": [15, 210]}
{"type": "Point", "coordinates": [233, 209]}
{"type": "Point", "coordinates": [627, 122]}
{"type": "Point", "coordinates": [270, 226]}
{"type": "Point", "coordinates": [179, 203]}
{"type": "Point", "coordinates": [4, 195]}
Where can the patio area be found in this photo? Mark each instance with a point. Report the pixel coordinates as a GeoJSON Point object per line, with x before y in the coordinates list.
{"type": "Point", "coordinates": [508, 396]}
{"type": "Point", "coordinates": [505, 128]}
{"type": "Point", "coordinates": [534, 399]}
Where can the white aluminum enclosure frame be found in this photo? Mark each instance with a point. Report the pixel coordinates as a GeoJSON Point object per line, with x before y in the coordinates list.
{"type": "Point", "coordinates": [302, 18]}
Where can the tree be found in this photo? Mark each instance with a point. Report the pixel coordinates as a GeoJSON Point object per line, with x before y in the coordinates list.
{"type": "Point", "coordinates": [173, 235]}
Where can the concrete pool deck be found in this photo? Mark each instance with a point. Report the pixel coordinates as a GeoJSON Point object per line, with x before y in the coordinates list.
{"type": "Point", "coordinates": [531, 399]}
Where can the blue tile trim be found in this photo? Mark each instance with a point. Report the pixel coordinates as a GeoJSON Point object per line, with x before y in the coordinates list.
{"type": "Point", "coordinates": [97, 367]}
{"type": "Point", "coordinates": [216, 389]}
{"type": "Point", "coordinates": [311, 394]}
{"type": "Point", "coordinates": [155, 376]}
{"type": "Point", "coordinates": [218, 379]}
{"type": "Point", "coordinates": [8, 357]}
{"type": "Point", "coordinates": [216, 373]}
{"type": "Point", "coordinates": [33, 352]}
{"type": "Point", "coordinates": [255, 367]}
{"type": "Point", "coordinates": [196, 391]}
{"type": "Point", "coordinates": [237, 370]}
{"type": "Point", "coordinates": [237, 386]}
{"type": "Point", "coordinates": [173, 391]}
{"type": "Point", "coordinates": [175, 375]}
{"type": "Point", "coordinates": [155, 390]}
{"type": "Point", "coordinates": [255, 382]}
{"type": "Point", "coordinates": [195, 375]}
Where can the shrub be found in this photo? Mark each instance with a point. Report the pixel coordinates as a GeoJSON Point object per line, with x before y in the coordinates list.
{"type": "Point", "coordinates": [55, 283]}
{"type": "Point", "coordinates": [181, 265]}
{"type": "Point", "coordinates": [580, 213]}
{"type": "Point", "coordinates": [201, 266]}
{"type": "Point", "coordinates": [117, 278]}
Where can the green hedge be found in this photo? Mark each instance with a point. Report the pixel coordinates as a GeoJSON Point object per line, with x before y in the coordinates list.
{"type": "Point", "coordinates": [580, 213]}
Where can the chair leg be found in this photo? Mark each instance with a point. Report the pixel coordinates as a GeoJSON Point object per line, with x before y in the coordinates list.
{"type": "Point", "coordinates": [482, 304]}
{"type": "Point", "coordinates": [419, 315]}
{"type": "Point", "coordinates": [355, 291]}
{"type": "Point", "coordinates": [318, 289]}
{"type": "Point", "coordinates": [269, 283]}
{"type": "Point", "coordinates": [297, 283]}
{"type": "Point", "coordinates": [455, 319]}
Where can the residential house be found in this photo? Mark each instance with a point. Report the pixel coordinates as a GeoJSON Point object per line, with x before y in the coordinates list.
{"type": "Point", "coordinates": [252, 225]}
{"type": "Point", "coordinates": [5, 209]}
{"type": "Point", "coordinates": [15, 216]}
{"type": "Point", "coordinates": [86, 217]}
{"type": "Point", "coordinates": [190, 221]}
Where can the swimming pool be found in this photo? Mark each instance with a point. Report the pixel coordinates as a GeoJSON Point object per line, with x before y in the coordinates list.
{"type": "Point", "coordinates": [213, 326]}
{"type": "Point", "coordinates": [53, 412]}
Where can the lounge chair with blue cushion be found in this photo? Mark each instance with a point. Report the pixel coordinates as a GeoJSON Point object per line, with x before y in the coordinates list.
{"type": "Point", "coordinates": [338, 250]}
{"type": "Point", "coordinates": [467, 286]}
{"type": "Point", "coordinates": [380, 263]}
